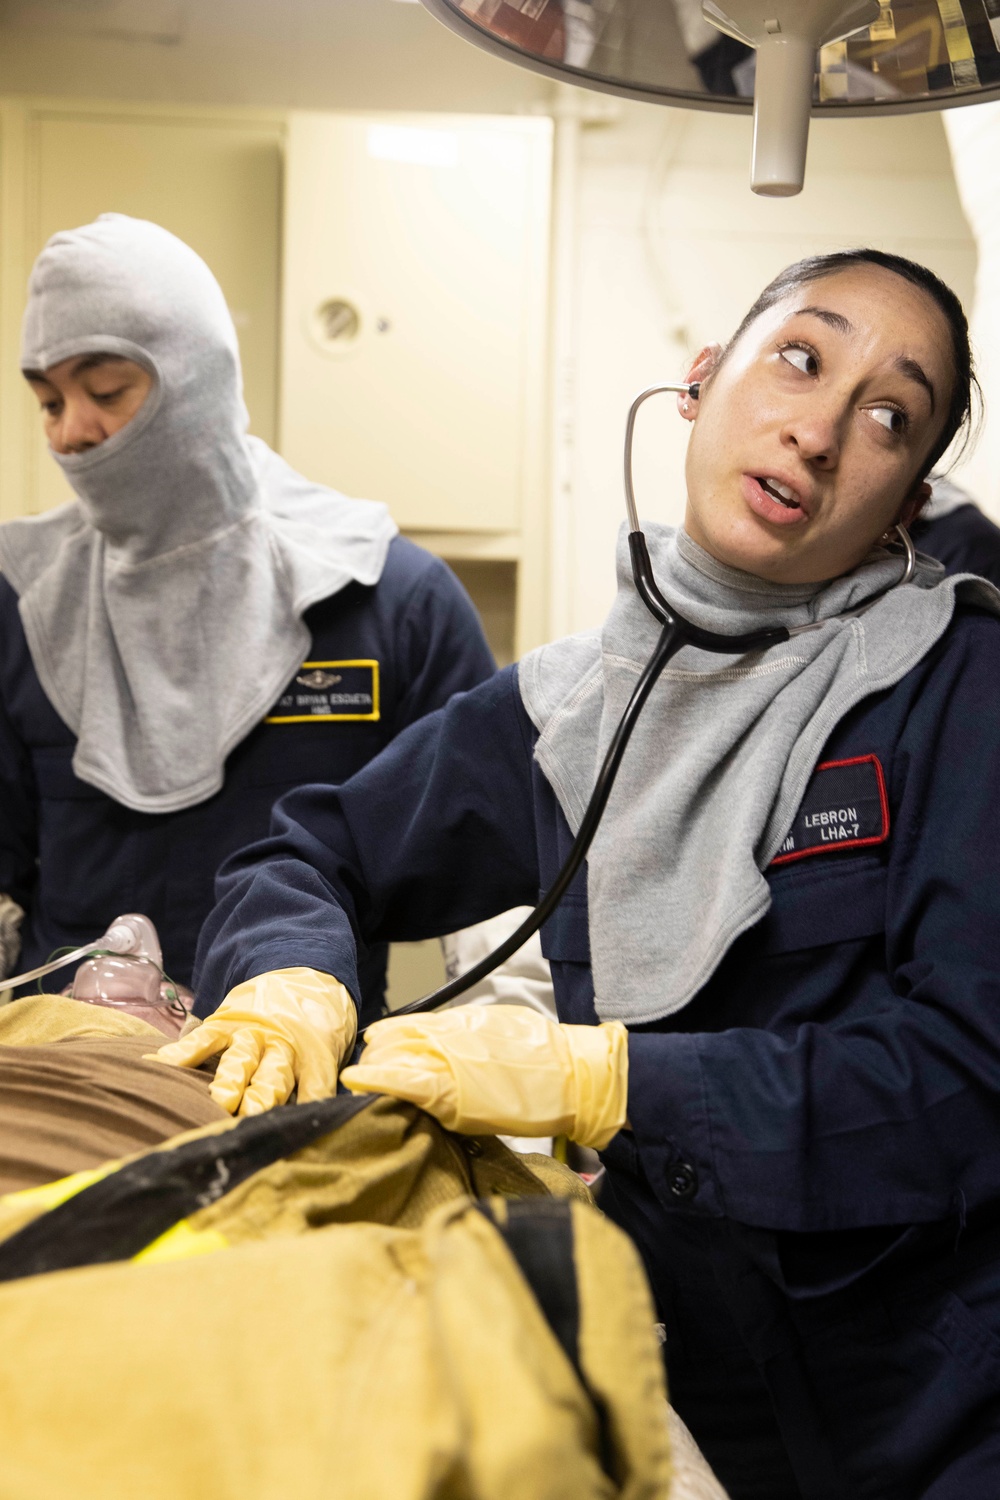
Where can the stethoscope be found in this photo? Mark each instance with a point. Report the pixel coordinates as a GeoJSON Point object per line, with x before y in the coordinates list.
{"type": "Point", "coordinates": [675, 633]}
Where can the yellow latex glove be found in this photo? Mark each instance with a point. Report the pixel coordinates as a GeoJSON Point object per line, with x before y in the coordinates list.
{"type": "Point", "coordinates": [288, 1027]}
{"type": "Point", "coordinates": [501, 1070]}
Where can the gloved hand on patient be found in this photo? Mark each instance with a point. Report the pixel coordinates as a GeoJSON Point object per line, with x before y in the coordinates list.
{"type": "Point", "coordinates": [286, 1029]}
{"type": "Point", "coordinates": [501, 1069]}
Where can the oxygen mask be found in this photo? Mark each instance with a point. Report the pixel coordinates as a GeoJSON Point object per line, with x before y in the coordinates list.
{"type": "Point", "coordinates": [123, 970]}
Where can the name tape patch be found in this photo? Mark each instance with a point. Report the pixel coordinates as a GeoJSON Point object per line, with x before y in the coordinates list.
{"type": "Point", "coordinates": [323, 691]}
{"type": "Point", "coordinates": [845, 807]}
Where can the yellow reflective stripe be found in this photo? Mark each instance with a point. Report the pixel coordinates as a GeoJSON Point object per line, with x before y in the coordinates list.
{"type": "Point", "coordinates": [51, 1194]}
{"type": "Point", "coordinates": [181, 1242]}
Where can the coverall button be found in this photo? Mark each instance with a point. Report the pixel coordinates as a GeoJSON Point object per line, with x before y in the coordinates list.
{"type": "Point", "coordinates": [682, 1180]}
{"type": "Point", "coordinates": [474, 1147]}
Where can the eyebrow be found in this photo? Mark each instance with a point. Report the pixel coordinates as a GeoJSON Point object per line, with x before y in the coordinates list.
{"type": "Point", "coordinates": [92, 361]}
{"type": "Point", "coordinates": [903, 362]}
{"type": "Point", "coordinates": [827, 315]}
{"type": "Point", "coordinates": [909, 367]}
{"type": "Point", "coordinates": [88, 362]}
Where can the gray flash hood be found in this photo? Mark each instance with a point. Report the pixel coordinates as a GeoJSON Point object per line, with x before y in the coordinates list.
{"type": "Point", "coordinates": [722, 754]}
{"type": "Point", "coordinates": [163, 607]}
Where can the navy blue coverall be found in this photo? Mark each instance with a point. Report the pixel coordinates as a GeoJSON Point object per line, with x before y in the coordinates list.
{"type": "Point", "coordinates": [75, 859]}
{"type": "Point", "coordinates": [964, 539]}
{"type": "Point", "coordinates": [812, 1172]}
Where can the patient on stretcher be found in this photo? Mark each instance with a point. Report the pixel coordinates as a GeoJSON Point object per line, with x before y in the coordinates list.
{"type": "Point", "coordinates": [77, 1091]}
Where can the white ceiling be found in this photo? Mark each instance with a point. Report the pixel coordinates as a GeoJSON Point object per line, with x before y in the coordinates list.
{"type": "Point", "coordinates": [320, 54]}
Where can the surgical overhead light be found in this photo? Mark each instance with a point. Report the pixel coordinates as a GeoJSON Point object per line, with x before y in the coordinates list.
{"type": "Point", "coordinates": [787, 59]}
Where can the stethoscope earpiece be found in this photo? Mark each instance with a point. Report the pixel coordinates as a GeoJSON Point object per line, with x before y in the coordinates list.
{"type": "Point", "coordinates": [694, 390]}
{"type": "Point", "coordinates": [903, 537]}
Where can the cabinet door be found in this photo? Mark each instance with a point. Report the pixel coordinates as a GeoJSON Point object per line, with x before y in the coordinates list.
{"type": "Point", "coordinates": [215, 183]}
{"type": "Point", "coordinates": [413, 331]}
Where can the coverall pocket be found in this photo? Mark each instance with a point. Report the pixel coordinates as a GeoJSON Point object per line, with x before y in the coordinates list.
{"type": "Point", "coordinates": [838, 898]}
{"type": "Point", "coordinates": [973, 1337]}
{"type": "Point", "coordinates": [290, 755]}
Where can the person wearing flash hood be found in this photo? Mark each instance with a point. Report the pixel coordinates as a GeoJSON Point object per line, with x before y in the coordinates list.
{"type": "Point", "coordinates": [201, 629]}
{"type": "Point", "coordinates": [777, 982]}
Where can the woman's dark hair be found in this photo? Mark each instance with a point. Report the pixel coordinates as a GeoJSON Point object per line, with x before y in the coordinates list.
{"type": "Point", "coordinates": [965, 392]}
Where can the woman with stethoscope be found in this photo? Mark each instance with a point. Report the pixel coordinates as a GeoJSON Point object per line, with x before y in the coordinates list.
{"type": "Point", "coordinates": [779, 983]}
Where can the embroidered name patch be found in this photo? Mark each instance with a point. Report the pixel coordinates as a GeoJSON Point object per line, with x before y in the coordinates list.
{"type": "Point", "coordinates": [322, 691]}
{"type": "Point", "coordinates": [845, 807]}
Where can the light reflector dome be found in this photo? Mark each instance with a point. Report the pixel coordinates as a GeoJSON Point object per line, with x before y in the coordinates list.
{"type": "Point", "coordinates": [909, 55]}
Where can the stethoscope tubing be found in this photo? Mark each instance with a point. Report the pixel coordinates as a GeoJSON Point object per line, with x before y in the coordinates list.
{"type": "Point", "coordinates": [671, 640]}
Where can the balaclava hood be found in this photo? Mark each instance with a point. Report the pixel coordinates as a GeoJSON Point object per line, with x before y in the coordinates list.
{"type": "Point", "coordinates": [163, 607]}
